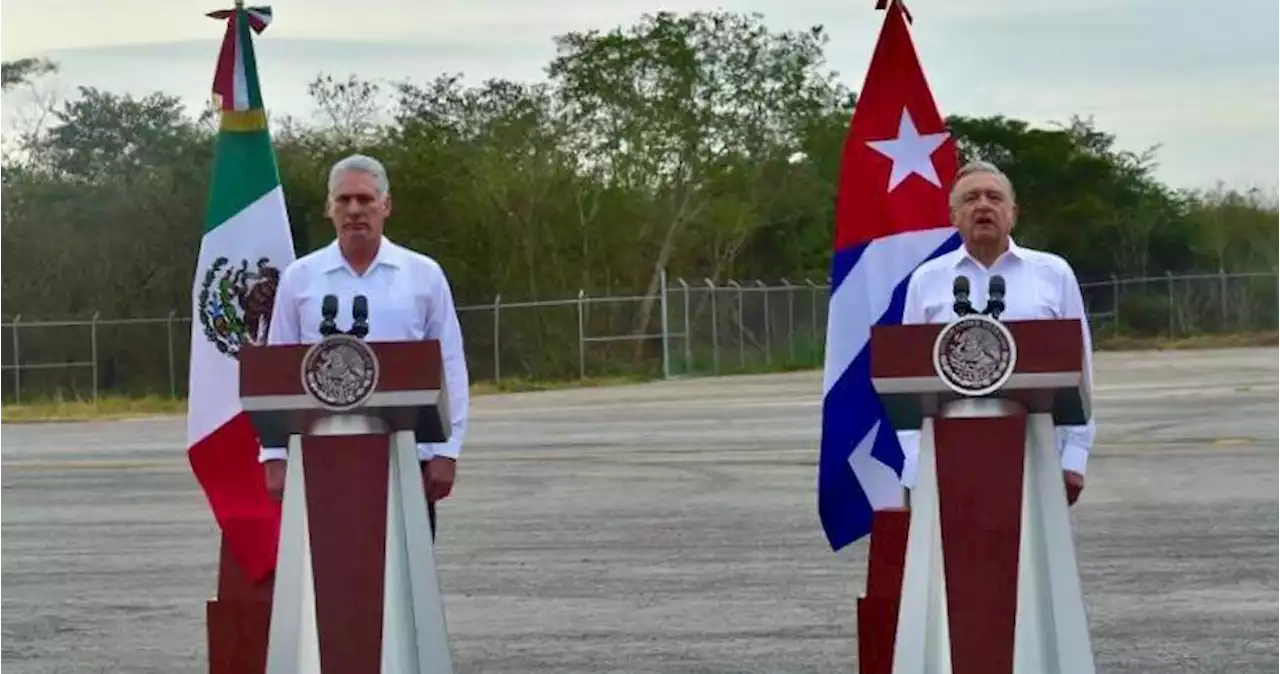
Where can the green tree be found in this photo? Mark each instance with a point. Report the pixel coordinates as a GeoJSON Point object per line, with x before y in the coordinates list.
{"type": "Point", "coordinates": [673, 105]}
{"type": "Point", "coordinates": [1100, 208]}
{"type": "Point", "coordinates": [23, 71]}
{"type": "Point", "coordinates": [703, 144]}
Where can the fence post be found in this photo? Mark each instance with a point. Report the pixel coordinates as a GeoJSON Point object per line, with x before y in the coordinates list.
{"type": "Point", "coordinates": [1278, 297]}
{"type": "Point", "coordinates": [1168, 281]}
{"type": "Point", "coordinates": [715, 320]}
{"type": "Point", "coordinates": [666, 333]}
{"type": "Point", "coordinates": [791, 321]}
{"type": "Point", "coordinates": [497, 344]}
{"type": "Point", "coordinates": [688, 330]}
{"type": "Point", "coordinates": [93, 342]}
{"type": "Point", "coordinates": [768, 341]}
{"type": "Point", "coordinates": [1222, 292]}
{"type": "Point", "coordinates": [1115, 303]}
{"type": "Point", "coordinates": [813, 318]}
{"type": "Point", "coordinates": [17, 363]}
{"type": "Point", "coordinates": [173, 370]}
{"type": "Point", "coordinates": [742, 337]}
{"type": "Point", "coordinates": [582, 337]}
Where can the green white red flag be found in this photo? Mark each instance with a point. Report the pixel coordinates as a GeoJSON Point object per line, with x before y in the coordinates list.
{"type": "Point", "coordinates": [246, 243]}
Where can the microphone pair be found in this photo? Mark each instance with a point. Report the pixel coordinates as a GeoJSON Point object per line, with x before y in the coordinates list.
{"type": "Point", "coordinates": [995, 297]}
{"type": "Point", "coordinates": [359, 315]}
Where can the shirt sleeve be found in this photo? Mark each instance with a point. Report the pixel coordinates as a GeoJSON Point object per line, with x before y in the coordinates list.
{"type": "Point", "coordinates": [913, 304]}
{"type": "Point", "coordinates": [443, 325]}
{"type": "Point", "coordinates": [1077, 441]}
{"type": "Point", "coordinates": [284, 329]}
{"type": "Point", "coordinates": [912, 314]}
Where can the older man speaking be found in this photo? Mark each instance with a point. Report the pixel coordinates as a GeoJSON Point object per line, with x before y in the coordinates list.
{"type": "Point", "coordinates": [1039, 285]}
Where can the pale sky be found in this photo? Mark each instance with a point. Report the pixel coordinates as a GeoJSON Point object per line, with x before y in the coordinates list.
{"type": "Point", "coordinates": [1200, 79]}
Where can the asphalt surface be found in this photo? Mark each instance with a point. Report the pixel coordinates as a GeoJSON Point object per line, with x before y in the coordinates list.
{"type": "Point", "coordinates": [669, 528]}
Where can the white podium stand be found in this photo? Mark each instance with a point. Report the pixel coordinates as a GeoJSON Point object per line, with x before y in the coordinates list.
{"type": "Point", "coordinates": [989, 583]}
{"type": "Point", "coordinates": [356, 587]}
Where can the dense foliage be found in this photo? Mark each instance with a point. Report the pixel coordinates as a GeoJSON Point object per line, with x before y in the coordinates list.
{"type": "Point", "coordinates": [705, 144]}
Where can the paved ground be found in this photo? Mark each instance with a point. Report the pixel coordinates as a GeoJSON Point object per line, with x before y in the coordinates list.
{"type": "Point", "coordinates": [670, 528]}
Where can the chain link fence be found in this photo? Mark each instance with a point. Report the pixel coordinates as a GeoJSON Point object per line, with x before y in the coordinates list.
{"type": "Point", "coordinates": [687, 328]}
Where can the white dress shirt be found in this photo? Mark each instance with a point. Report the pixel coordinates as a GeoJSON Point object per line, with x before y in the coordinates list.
{"type": "Point", "coordinates": [409, 299]}
{"type": "Point", "coordinates": [1038, 285]}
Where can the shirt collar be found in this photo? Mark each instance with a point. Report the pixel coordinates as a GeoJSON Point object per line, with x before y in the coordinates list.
{"type": "Point", "coordinates": [1014, 251]}
{"type": "Point", "coordinates": [387, 255]}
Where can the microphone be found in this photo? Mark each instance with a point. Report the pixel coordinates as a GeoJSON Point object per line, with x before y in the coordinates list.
{"type": "Point", "coordinates": [960, 290]}
{"type": "Point", "coordinates": [995, 296]}
{"type": "Point", "coordinates": [360, 316]}
{"type": "Point", "coordinates": [328, 309]}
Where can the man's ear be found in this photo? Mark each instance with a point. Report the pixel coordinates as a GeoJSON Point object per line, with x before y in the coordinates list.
{"type": "Point", "coordinates": [386, 204]}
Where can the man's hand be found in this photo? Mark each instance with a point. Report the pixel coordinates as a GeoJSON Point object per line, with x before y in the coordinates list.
{"type": "Point", "coordinates": [1075, 484]}
{"type": "Point", "coordinates": [437, 477]}
{"type": "Point", "coordinates": [274, 471]}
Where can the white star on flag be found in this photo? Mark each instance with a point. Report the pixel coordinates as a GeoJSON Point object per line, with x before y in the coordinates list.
{"type": "Point", "coordinates": [910, 152]}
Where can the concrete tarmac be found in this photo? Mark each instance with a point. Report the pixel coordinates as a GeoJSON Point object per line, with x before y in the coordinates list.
{"type": "Point", "coordinates": [669, 527]}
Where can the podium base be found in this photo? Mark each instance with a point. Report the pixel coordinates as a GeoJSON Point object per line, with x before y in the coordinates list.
{"type": "Point", "coordinates": [238, 620]}
{"type": "Point", "coordinates": [357, 587]}
{"type": "Point", "coordinates": [988, 582]}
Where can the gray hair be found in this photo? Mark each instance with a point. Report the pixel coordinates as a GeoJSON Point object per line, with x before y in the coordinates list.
{"type": "Point", "coordinates": [361, 164]}
{"type": "Point", "coordinates": [979, 166]}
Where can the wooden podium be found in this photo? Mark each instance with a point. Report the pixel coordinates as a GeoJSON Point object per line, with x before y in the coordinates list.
{"type": "Point", "coordinates": [979, 576]}
{"type": "Point", "coordinates": [356, 587]}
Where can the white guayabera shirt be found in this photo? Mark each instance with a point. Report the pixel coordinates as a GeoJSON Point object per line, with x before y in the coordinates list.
{"type": "Point", "coordinates": [409, 299]}
{"type": "Point", "coordinates": [1038, 285]}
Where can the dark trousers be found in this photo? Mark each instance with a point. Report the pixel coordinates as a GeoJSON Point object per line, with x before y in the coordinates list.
{"type": "Point", "coordinates": [431, 506]}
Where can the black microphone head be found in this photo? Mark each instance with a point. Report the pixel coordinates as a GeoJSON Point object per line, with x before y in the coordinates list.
{"type": "Point", "coordinates": [328, 309]}
{"type": "Point", "coordinates": [960, 289]}
{"type": "Point", "coordinates": [995, 296]}
{"type": "Point", "coordinates": [359, 316]}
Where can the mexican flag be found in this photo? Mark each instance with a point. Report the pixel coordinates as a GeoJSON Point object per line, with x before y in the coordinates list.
{"type": "Point", "coordinates": [245, 246]}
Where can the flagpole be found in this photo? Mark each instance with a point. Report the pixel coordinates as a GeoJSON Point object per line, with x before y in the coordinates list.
{"type": "Point", "coordinates": [883, 5]}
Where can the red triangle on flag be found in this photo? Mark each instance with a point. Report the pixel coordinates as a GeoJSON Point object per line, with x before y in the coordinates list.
{"type": "Point", "coordinates": [899, 158]}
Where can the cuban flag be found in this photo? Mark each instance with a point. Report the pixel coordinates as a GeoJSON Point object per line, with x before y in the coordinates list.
{"type": "Point", "coordinates": [891, 215]}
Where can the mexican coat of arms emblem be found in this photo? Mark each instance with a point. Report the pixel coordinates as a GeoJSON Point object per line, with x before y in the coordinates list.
{"type": "Point", "coordinates": [974, 355]}
{"type": "Point", "coordinates": [340, 372]}
{"type": "Point", "coordinates": [235, 303]}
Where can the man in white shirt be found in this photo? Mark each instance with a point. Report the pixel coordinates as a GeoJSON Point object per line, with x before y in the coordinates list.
{"type": "Point", "coordinates": [409, 298]}
{"type": "Point", "coordinates": [1038, 285]}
